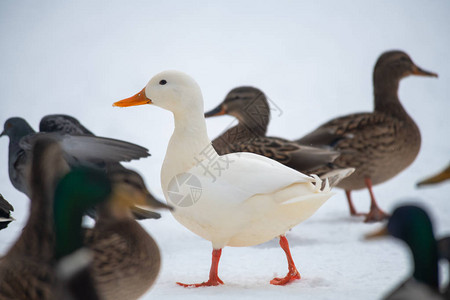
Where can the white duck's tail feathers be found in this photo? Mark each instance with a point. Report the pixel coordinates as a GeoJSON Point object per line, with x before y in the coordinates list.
{"type": "Point", "coordinates": [320, 185]}
{"type": "Point", "coordinates": [335, 176]}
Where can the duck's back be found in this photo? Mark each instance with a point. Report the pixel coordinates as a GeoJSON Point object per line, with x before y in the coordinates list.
{"type": "Point", "coordinates": [126, 259]}
{"type": "Point", "coordinates": [377, 145]}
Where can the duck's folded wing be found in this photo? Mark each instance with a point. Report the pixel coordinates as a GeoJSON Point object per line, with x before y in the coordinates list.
{"type": "Point", "coordinates": [242, 175]}
{"type": "Point", "coordinates": [355, 129]}
{"type": "Point", "coordinates": [91, 148]}
{"type": "Point", "coordinates": [62, 123]}
{"type": "Point", "coordinates": [298, 157]}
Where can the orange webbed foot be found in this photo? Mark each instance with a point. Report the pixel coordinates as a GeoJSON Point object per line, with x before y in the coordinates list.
{"type": "Point", "coordinates": [210, 282]}
{"type": "Point", "coordinates": [291, 276]}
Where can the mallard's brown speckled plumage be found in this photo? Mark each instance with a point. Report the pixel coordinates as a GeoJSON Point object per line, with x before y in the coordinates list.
{"type": "Point", "coordinates": [250, 106]}
{"type": "Point", "coordinates": [379, 144]}
{"type": "Point", "coordinates": [126, 258]}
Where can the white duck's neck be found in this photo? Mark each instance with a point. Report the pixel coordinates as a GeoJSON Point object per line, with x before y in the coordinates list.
{"type": "Point", "coordinates": [187, 145]}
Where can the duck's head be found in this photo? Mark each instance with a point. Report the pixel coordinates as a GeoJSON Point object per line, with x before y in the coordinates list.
{"type": "Point", "coordinates": [76, 192]}
{"type": "Point", "coordinates": [407, 223]}
{"type": "Point", "coordinates": [129, 190]}
{"type": "Point", "coordinates": [172, 90]}
{"type": "Point", "coordinates": [412, 225]}
{"type": "Point", "coordinates": [240, 101]}
{"type": "Point", "coordinates": [87, 187]}
{"type": "Point", "coordinates": [396, 65]}
{"type": "Point", "coordinates": [16, 127]}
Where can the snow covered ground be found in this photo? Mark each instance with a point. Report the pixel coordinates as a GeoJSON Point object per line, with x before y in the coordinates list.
{"type": "Point", "coordinates": [314, 60]}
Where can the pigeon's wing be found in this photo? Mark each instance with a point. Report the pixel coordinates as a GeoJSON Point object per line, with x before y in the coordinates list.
{"type": "Point", "coordinates": [62, 123]}
{"type": "Point", "coordinates": [90, 148]}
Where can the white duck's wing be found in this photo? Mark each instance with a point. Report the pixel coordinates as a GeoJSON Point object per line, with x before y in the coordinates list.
{"type": "Point", "coordinates": [243, 175]}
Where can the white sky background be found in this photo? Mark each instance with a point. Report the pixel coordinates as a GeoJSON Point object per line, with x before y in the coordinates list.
{"type": "Point", "coordinates": [314, 59]}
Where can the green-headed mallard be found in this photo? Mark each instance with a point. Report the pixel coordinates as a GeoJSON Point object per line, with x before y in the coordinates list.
{"type": "Point", "coordinates": [412, 225]}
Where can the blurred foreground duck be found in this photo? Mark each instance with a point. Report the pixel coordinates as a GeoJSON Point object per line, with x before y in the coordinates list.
{"type": "Point", "coordinates": [28, 270]}
{"type": "Point", "coordinates": [444, 253]}
{"type": "Point", "coordinates": [5, 213]}
{"type": "Point", "coordinates": [250, 107]}
{"type": "Point", "coordinates": [412, 225]}
{"type": "Point", "coordinates": [81, 148]}
{"type": "Point", "coordinates": [238, 199]}
{"type": "Point", "coordinates": [380, 144]}
{"type": "Point", "coordinates": [124, 259]}
{"type": "Point", "coordinates": [438, 178]}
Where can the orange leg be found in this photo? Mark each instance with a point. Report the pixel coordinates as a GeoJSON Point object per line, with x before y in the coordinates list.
{"type": "Point", "coordinates": [213, 276]}
{"type": "Point", "coordinates": [350, 204]}
{"type": "Point", "coordinates": [375, 214]}
{"type": "Point", "coordinates": [293, 274]}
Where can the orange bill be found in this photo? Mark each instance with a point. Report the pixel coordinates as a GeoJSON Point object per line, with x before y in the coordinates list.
{"type": "Point", "coordinates": [444, 175]}
{"type": "Point", "coordinates": [422, 72]}
{"type": "Point", "coordinates": [380, 233]}
{"type": "Point", "coordinates": [138, 99]}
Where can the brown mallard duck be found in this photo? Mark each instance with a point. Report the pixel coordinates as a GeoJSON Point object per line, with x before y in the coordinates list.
{"type": "Point", "coordinates": [379, 144]}
{"type": "Point", "coordinates": [438, 178]}
{"type": "Point", "coordinates": [250, 107]}
{"type": "Point", "coordinates": [126, 258]}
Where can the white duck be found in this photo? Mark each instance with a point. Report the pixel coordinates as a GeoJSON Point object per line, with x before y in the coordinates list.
{"type": "Point", "coordinates": [238, 199]}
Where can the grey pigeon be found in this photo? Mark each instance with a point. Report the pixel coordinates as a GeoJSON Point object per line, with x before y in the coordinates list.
{"type": "Point", "coordinates": [79, 150]}
{"type": "Point", "coordinates": [118, 173]}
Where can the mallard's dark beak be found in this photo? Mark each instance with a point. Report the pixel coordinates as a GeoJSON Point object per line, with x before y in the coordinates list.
{"type": "Point", "coordinates": [444, 175]}
{"type": "Point", "coordinates": [422, 72]}
{"type": "Point", "coordinates": [218, 111]}
{"type": "Point", "coordinates": [156, 204]}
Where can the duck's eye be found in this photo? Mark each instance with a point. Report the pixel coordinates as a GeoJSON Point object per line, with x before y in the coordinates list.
{"type": "Point", "coordinates": [162, 82]}
{"type": "Point", "coordinates": [404, 58]}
